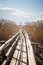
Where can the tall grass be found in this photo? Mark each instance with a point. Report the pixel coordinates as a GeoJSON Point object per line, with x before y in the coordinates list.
{"type": "Point", "coordinates": [36, 30]}
{"type": "Point", "coordinates": [7, 28]}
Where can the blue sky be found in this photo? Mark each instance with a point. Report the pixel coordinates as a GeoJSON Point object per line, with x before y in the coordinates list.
{"type": "Point", "coordinates": [21, 11]}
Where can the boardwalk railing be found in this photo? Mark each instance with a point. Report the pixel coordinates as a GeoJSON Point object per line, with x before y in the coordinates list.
{"type": "Point", "coordinates": [8, 47]}
{"type": "Point", "coordinates": [30, 53]}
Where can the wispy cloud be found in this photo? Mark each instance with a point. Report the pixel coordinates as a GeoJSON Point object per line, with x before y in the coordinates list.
{"type": "Point", "coordinates": [15, 11]}
{"type": "Point", "coordinates": [24, 14]}
{"type": "Point", "coordinates": [20, 13]}
{"type": "Point", "coordinates": [5, 8]}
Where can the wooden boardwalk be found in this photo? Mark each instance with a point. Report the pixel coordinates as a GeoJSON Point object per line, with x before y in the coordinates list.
{"type": "Point", "coordinates": [21, 52]}
{"type": "Point", "coordinates": [20, 55]}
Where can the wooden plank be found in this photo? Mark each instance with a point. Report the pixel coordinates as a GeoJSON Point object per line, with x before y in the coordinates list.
{"type": "Point", "coordinates": [15, 56]}
{"type": "Point", "coordinates": [31, 57]}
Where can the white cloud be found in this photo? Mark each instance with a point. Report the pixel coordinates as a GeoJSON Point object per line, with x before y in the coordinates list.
{"type": "Point", "coordinates": [27, 15]}
{"type": "Point", "coordinates": [6, 8]}
{"type": "Point", "coordinates": [20, 13]}
{"type": "Point", "coordinates": [14, 10]}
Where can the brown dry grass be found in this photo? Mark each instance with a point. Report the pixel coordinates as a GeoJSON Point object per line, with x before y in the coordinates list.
{"type": "Point", "coordinates": [7, 28]}
{"type": "Point", "coordinates": [36, 30]}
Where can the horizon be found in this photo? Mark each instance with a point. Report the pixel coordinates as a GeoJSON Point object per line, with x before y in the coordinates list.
{"type": "Point", "coordinates": [21, 11]}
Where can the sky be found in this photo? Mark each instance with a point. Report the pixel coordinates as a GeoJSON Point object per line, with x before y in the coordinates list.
{"type": "Point", "coordinates": [21, 11]}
